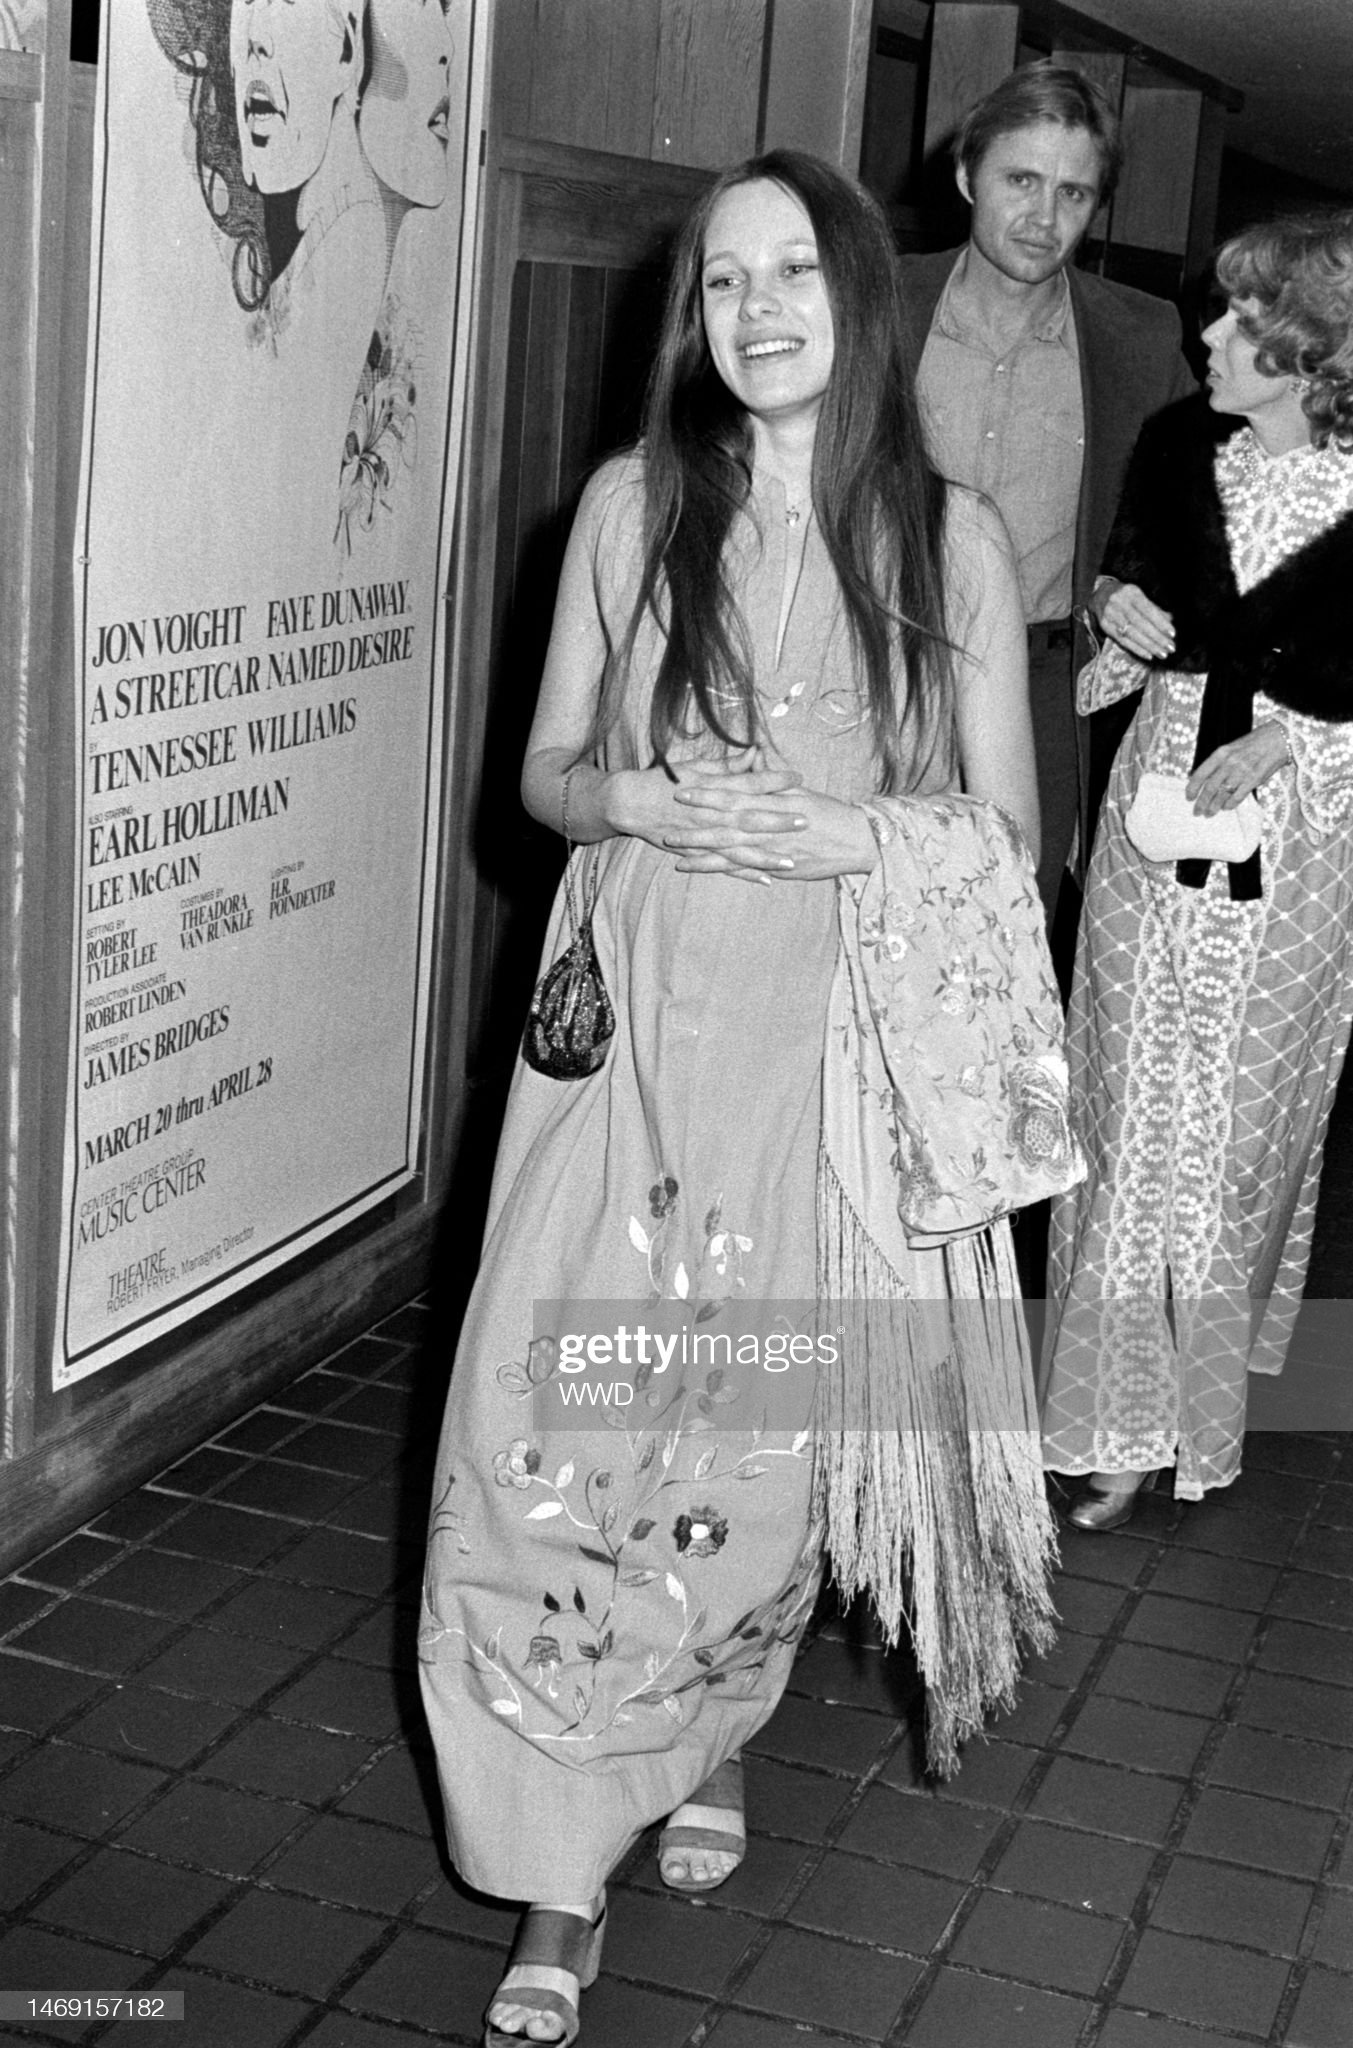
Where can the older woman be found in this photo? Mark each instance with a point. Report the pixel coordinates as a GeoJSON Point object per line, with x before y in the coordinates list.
{"type": "Point", "coordinates": [771, 614]}
{"type": "Point", "coordinates": [1211, 1007]}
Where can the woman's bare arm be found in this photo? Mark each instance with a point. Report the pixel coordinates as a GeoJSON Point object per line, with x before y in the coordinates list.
{"type": "Point", "coordinates": [991, 663]}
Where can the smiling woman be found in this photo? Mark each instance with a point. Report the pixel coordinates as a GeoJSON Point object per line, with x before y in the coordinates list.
{"type": "Point", "coordinates": [772, 617]}
{"type": "Point", "coordinates": [768, 319]}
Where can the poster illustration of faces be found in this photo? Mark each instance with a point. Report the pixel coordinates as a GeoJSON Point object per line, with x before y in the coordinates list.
{"type": "Point", "coordinates": [273, 413]}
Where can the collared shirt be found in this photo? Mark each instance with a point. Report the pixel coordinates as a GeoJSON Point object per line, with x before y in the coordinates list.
{"type": "Point", "coordinates": [1014, 427]}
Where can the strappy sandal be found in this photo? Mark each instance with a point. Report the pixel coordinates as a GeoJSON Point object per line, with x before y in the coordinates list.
{"type": "Point", "coordinates": [554, 1959]}
{"type": "Point", "coordinates": [712, 1820]}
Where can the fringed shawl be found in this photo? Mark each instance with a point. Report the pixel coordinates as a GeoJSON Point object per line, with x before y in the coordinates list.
{"type": "Point", "coordinates": [944, 1107]}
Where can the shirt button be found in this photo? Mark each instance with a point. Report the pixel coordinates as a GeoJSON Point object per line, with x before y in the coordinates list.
{"type": "Point", "coordinates": [990, 434]}
{"type": "Point", "coordinates": [1000, 369]}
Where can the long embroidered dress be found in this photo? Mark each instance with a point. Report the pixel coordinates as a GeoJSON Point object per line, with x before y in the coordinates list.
{"type": "Point", "coordinates": [1205, 1038]}
{"type": "Point", "coordinates": [608, 1613]}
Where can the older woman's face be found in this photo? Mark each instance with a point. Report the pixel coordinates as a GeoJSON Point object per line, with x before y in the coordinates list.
{"type": "Point", "coordinates": [405, 121]}
{"type": "Point", "coordinates": [1235, 382]}
{"type": "Point", "coordinates": [291, 61]}
{"type": "Point", "coordinates": [768, 320]}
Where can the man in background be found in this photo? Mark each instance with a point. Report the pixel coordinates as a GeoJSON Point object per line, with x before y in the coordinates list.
{"type": "Point", "coordinates": [1034, 380]}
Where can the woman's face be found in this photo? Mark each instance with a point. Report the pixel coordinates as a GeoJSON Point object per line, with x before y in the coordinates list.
{"type": "Point", "coordinates": [768, 320]}
{"type": "Point", "coordinates": [405, 122]}
{"type": "Point", "coordinates": [291, 61]}
{"type": "Point", "coordinates": [1235, 382]}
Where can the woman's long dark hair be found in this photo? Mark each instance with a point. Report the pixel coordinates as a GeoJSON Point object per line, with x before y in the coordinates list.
{"type": "Point", "coordinates": [879, 504]}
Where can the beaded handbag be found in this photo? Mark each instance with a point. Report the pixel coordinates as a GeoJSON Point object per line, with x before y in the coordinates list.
{"type": "Point", "coordinates": [571, 1021]}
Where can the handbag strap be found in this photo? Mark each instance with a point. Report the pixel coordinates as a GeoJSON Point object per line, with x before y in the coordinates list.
{"type": "Point", "coordinates": [576, 926]}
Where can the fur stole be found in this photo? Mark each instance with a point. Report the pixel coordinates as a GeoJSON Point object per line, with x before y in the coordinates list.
{"type": "Point", "coordinates": [1291, 636]}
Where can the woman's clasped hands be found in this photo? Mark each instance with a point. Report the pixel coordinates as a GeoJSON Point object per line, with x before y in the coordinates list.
{"type": "Point", "coordinates": [758, 823]}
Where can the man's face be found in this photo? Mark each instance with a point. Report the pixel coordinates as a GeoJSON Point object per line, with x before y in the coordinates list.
{"type": "Point", "coordinates": [1033, 195]}
{"type": "Point", "coordinates": [291, 61]}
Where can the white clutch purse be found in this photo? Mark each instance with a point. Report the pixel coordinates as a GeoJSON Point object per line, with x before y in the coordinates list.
{"type": "Point", "coordinates": [1163, 825]}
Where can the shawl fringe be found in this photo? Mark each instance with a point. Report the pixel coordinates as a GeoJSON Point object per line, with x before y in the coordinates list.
{"type": "Point", "coordinates": [932, 1497]}
{"type": "Point", "coordinates": [943, 1108]}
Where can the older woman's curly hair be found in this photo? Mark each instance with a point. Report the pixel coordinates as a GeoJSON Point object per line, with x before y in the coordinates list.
{"type": "Point", "coordinates": [195, 37]}
{"type": "Point", "coordinates": [1299, 272]}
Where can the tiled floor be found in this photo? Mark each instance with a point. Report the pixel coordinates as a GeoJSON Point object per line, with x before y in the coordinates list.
{"type": "Point", "coordinates": [214, 1778]}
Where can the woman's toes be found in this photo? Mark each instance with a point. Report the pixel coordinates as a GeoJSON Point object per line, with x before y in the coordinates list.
{"type": "Point", "coordinates": [698, 1866]}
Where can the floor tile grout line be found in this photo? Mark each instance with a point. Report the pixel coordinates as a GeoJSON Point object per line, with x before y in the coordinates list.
{"type": "Point", "coordinates": [1300, 1968]}
{"type": "Point", "coordinates": [240, 1885]}
{"type": "Point", "coordinates": [177, 1956]}
{"type": "Point", "coordinates": [1044, 1756]}
{"type": "Point", "coordinates": [174, 1777]}
{"type": "Point", "coordinates": [311, 1812]}
{"type": "Point", "coordinates": [1302, 1962]}
{"type": "Point", "coordinates": [818, 1853]}
{"type": "Point", "coordinates": [254, 1879]}
{"type": "Point", "coordinates": [1106, 2001]}
{"type": "Point", "coordinates": [373, 1605]}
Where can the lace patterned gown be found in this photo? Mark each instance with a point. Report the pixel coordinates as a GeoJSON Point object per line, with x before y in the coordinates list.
{"type": "Point", "coordinates": [610, 1612]}
{"type": "Point", "coordinates": [1206, 1039]}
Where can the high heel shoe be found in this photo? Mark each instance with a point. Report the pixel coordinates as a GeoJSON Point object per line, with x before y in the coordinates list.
{"type": "Point", "coordinates": [1102, 1508]}
{"type": "Point", "coordinates": [550, 1946]}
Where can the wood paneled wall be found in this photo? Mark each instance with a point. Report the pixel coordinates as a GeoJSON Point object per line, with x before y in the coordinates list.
{"type": "Point", "coordinates": [572, 285]}
{"type": "Point", "coordinates": [692, 82]}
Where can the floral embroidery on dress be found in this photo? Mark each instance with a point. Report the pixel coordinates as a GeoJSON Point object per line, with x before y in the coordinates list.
{"type": "Point", "coordinates": [701, 1533]}
{"type": "Point", "coordinates": [619, 1511]}
{"type": "Point", "coordinates": [517, 1465]}
{"type": "Point", "coordinates": [722, 1253]}
{"type": "Point", "coordinates": [616, 1514]}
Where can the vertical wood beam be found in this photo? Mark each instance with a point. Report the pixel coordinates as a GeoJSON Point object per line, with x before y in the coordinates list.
{"type": "Point", "coordinates": [972, 48]}
{"type": "Point", "coordinates": [1155, 195]}
{"type": "Point", "coordinates": [708, 90]}
{"type": "Point", "coordinates": [577, 71]}
{"type": "Point", "coordinates": [817, 72]}
{"type": "Point", "coordinates": [1206, 187]}
{"type": "Point", "coordinates": [1107, 69]}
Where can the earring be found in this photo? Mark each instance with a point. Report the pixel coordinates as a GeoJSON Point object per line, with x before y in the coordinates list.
{"type": "Point", "coordinates": [1300, 386]}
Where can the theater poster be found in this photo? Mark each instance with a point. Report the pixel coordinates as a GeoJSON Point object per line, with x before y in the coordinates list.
{"type": "Point", "coordinates": [277, 350]}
